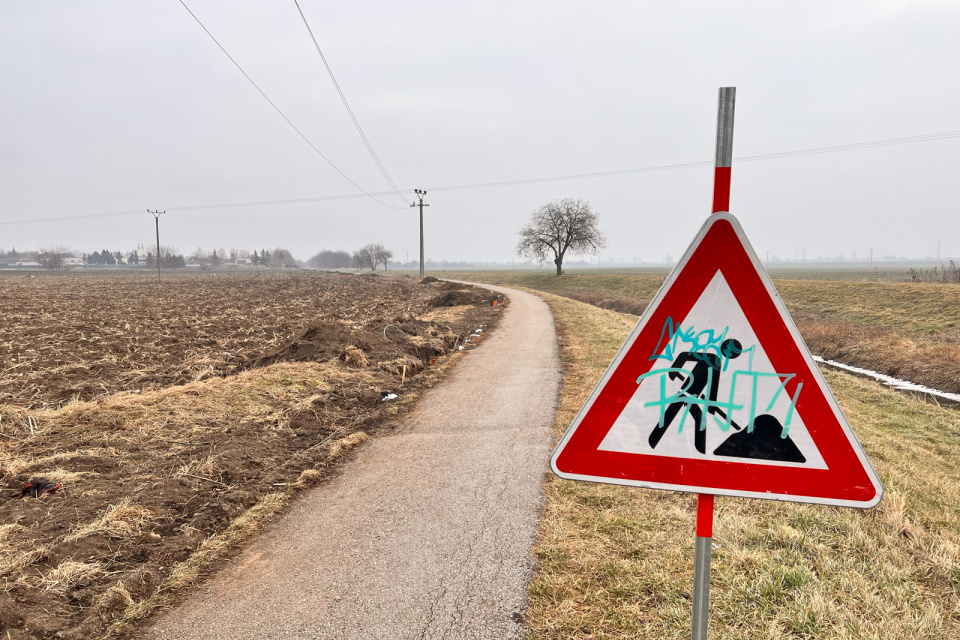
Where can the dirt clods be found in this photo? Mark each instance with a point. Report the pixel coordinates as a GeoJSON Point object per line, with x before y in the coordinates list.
{"type": "Point", "coordinates": [317, 342]}
{"type": "Point", "coordinates": [458, 298]}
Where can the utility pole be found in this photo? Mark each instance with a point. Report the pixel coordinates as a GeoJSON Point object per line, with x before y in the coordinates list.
{"type": "Point", "coordinates": [156, 219]}
{"type": "Point", "coordinates": [420, 193]}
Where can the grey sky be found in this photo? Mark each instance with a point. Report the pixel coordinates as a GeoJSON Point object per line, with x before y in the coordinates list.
{"type": "Point", "coordinates": [111, 106]}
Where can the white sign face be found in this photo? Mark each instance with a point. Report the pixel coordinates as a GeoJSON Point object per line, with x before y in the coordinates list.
{"type": "Point", "coordinates": [672, 413]}
{"type": "Point", "coordinates": [715, 392]}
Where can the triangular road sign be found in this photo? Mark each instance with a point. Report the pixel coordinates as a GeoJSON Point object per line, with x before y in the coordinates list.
{"type": "Point", "coordinates": [715, 392]}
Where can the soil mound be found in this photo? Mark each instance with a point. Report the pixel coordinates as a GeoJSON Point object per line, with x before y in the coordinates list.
{"type": "Point", "coordinates": [429, 279]}
{"type": "Point", "coordinates": [315, 343]}
{"type": "Point", "coordinates": [457, 298]}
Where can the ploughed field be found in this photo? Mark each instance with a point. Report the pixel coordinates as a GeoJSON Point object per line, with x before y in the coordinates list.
{"type": "Point", "coordinates": [65, 338]}
{"type": "Point", "coordinates": [178, 417]}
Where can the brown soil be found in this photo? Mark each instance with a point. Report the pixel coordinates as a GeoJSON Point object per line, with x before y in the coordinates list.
{"type": "Point", "coordinates": [86, 336]}
{"type": "Point", "coordinates": [457, 298]}
{"type": "Point", "coordinates": [149, 476]}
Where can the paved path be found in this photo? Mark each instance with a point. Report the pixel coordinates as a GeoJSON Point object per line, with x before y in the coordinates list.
{"type": "Point", "coordinates": [426, 533]}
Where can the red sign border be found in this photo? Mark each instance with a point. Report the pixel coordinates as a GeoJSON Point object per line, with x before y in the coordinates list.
{"type": "Point", "coordinates": [849, 479]}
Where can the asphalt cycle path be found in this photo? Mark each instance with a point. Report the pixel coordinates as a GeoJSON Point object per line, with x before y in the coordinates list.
{"type": "Point", "coordinates": [426, 533]}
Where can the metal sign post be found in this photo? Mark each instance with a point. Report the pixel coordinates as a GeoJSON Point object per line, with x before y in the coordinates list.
{"type": "Point", "coordinates": [701, 566]}
{"type": "Point", "coordinates": [704, 542]}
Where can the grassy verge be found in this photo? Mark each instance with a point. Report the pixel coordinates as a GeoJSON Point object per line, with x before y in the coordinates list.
{"type": "Point", "coordinates": [618, 563]}
{"type": "Point", "coordinates": [906, 330]}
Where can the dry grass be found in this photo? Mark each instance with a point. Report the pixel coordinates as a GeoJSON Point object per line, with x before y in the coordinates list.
{"type": "Point", "coordinates": [112, 601]}
{"type": "Point", "coordinates": [354, 357]}
{"type": "Point", "coordinates": [14, 560]}
{"type": "Point", "coordinates": [343, 445]}
{"type": "Point", "coordinates": [69, 574]}
{"type": "Point", "coordinates": [220, 546]}
{"type": "Point", "coordinates": [15, 464]}
{"type": "Point", "coordinates": [616, 562]}
{"type": "Point", "coordinates": [190, 571]}
{"type": "Point", "coordinates": [935, 363]}
{"type": "Point", "coordinates": [121, 520]}
{"type": "Point", "coordinates": [915, 310]}
{"type": "Point", "coordinates": [16, 554]}
{"type": "Point", "coordinates": [906, 330]}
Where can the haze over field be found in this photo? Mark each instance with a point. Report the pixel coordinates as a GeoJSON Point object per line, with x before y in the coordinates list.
{"type": "Point", "coordinates": [111, 107]}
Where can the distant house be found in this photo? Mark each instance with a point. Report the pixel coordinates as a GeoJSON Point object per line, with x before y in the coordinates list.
{"type": "Point", "coordinates": [26, 263]}
{"type": "Point", "coordinates": [243, 262]}
{"type": "Point", "coordinates": [73, 262]}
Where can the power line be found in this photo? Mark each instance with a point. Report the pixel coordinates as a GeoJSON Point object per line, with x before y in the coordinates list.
{"type": "Point", "coordinates": [767, 156]}
{"type": "Point", "coordinates": [343, 98]}
{"type": "Point", "coordinates": [277, 109]}
{"type": "Point", "coordinates": [509, 183]}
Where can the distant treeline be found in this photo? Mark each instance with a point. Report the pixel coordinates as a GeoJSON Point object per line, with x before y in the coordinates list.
{"type": "Point", "coordinates": [366, 257]}
{"type": "Point", "coordinates": [59, 258]}
{"type": "Point", "coordinates": [277, 258]}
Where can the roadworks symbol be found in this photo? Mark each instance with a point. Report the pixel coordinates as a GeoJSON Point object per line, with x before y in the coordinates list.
{"type": "Point", "coordinates": [713, 394]}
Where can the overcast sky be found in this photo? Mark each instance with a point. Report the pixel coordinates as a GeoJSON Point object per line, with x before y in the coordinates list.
{"type": "Point", "coordinates": [123, 106]}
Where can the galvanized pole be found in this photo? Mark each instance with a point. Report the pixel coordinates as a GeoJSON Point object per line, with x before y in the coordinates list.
{"type": "Point", "coordinates": [704, 541]}
{"type": "Point", "coordinates": [156, 219]}
{"type": "Point", "coordinates": [420, 194]}
{"type": "Point", "coordinates": [721, 176]}
{"type": "Point", "coordinates": [701, 566]}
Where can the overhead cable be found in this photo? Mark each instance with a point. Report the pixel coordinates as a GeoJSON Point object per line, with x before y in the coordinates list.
{"type": "Point", "coordinates": [945, 135]}
{"type": "Point", "coordinates": [277, 109]}
{"type": "Point", "coordinates": [353, 117]}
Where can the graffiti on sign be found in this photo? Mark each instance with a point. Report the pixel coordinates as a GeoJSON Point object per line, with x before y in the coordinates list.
{"type": "Point", "coordinates": [713, 393]}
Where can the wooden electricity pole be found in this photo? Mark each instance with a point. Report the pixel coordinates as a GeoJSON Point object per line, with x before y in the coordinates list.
{"type": "Point", "coordinates": [156, 219]}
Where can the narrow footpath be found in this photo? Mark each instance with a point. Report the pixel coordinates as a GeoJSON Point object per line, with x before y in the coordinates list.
{"type": "Point", "coordinates": [426, 533]}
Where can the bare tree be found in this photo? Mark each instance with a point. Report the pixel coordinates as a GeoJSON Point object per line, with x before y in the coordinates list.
{"type": "Point", "coordinates": [559, 227]}
{"type": "Point", "coordinates": [363, 258]}
{"type": "Point", "coordinates": [378, 254]}
{"type": "Point", "coordinates": [53, 258]}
